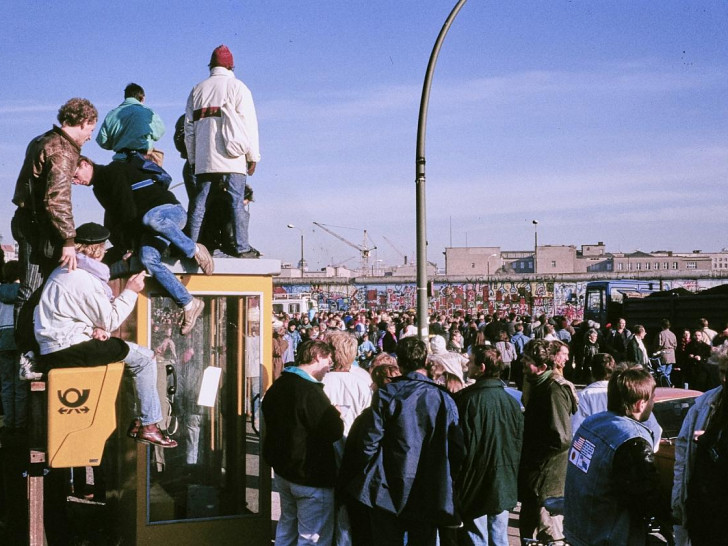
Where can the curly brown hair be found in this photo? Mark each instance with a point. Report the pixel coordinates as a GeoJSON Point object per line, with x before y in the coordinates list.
{"type": "Point", "coordinates": [76, 112]}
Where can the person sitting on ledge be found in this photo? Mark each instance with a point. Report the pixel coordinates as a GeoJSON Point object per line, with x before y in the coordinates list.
{"type": "Point", "coordinates": [75, 316]}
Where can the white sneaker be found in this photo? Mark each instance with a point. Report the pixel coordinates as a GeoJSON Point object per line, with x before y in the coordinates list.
{"type": "Point", "coordinates": [27, 365]}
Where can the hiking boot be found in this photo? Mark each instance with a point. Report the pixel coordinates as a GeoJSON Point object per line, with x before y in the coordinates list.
{"type": "Point", "coordinates": [204, 260]}
{"type": "Point", "coordinates": [190, 317]}
{"type": "Point", "coordinates": [27, 371]}
{"type": "Point", "coordinates": [249, 254]}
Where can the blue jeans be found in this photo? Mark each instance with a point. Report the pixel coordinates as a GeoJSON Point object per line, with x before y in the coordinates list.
{"type": "Point", "coordinates": [167, 221]}
{"type": "Point", "coordinates": [190, 180]}
{"type": "Point", "coordinates": [142, 366]}
{"type": "Point", "coordinates": [487, 530]}
{"type": "Point", "coordinates": [14, 391]}
{"type": "Point", "coordinates": [205, 185]}
{"type": "Point", "coordinates": [307, 514]}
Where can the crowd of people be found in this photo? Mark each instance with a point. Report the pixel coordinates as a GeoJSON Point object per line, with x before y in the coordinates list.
{"type": "Point", "coordinates": [441, 447]}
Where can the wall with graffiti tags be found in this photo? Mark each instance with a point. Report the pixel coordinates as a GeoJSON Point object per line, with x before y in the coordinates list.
{"type": "Point", "coordinates": [495, 297]}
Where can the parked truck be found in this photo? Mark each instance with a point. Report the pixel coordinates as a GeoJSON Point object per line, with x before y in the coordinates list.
{"type": "Point", "coordinates": [644, 302]}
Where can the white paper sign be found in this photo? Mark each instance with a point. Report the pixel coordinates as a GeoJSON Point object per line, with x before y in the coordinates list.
{"type": "Point", "coordinates": [209, 387]}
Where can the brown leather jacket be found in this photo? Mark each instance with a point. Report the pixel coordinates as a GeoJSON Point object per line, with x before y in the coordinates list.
{"type": "Point", "coordinates": [49, 166]}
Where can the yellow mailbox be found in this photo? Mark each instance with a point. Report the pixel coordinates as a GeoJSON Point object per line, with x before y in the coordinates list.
{"type": "Point", "coordinates": [81, 413]}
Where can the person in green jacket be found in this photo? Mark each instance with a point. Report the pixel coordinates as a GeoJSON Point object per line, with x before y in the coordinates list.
{"type": "Point", "coordinates": [492, 425]}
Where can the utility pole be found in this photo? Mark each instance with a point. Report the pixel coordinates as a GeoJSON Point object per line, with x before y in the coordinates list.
{"type": "Point", "coordinates": [423, 323]}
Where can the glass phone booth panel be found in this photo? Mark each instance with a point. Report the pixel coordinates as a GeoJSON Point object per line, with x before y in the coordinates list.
{"type": "Point", "coordinates": [212, 382]}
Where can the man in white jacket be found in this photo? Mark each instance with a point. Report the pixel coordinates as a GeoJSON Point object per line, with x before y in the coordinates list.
{"type": "Point", "coordinates": [73, 319]}
{"type": "Point", "coordinates": [221, 138]}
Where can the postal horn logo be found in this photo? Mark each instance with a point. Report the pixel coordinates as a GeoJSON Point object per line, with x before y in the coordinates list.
{"type": "Point", "coordinates": [73, 401]}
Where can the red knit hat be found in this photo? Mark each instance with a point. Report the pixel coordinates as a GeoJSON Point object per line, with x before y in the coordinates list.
{"type": "Point", "coordinates": [222, 57]}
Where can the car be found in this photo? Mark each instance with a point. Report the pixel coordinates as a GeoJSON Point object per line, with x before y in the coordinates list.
{"type": "Point", "coordinates": [671, 406]}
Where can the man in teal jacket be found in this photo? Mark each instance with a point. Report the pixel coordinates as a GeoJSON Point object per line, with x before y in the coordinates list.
{"type": "Point", "coordinates": [131, 127]}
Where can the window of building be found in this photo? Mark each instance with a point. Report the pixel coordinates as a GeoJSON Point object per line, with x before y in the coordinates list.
{"type": "Point", "coordinates": [664, 265]}
{"type": "Point", "coordinates": [674, 265]}
{"type": "Point", "coordinates": [620, 266]}
{"type": "Point", "coordinates": [647, 265]}
{"type": "Point", "coordinates": [553, 263]}
{"type": "Point", "coordinates": [472, 265]}
{"type": "Point", "coordinates": [691, 265]}
{"type": "Point", "coordinates": [638, 266]}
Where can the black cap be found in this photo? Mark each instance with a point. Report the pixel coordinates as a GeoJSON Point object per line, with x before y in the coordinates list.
{"type": "Point", "coordinates": [91, 234]}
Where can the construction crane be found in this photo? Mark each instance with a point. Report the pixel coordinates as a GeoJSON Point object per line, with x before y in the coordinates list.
{"type": "Point", "coordinates": [403, 255]}
{"type": "Point", "coordinates": [364, 248]}
{"type": "Point", "coordinates": [398, 251]}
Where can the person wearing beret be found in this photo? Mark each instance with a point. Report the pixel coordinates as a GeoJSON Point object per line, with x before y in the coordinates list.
{"type": "Point", "coordinates": [76, 312]}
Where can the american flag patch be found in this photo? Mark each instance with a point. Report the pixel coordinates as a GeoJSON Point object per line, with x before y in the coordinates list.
{"type": "Point", "coordinates": [581, 453]}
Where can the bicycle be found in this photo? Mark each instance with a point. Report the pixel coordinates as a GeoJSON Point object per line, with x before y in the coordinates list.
{"type": "Point", "coordinates": [659, 370]}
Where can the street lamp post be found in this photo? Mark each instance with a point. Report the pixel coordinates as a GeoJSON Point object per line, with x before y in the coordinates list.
{"type": "Point", "coordinates": [422, 300]}
{"type": "Point", "coordinates": [302, 263]}
{"type": "Point", "coordinates": [535, 246]}
{"type": "Point", "coordinates": [488, 264]}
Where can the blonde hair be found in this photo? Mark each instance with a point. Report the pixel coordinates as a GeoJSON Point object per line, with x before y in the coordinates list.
{"type": "Point", "coordinates": [95, 251]}
{"type": "Point", "coordinates": [345, 347]}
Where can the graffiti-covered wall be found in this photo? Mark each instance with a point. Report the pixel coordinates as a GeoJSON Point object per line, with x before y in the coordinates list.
{"type": "Point", "coordinates": [495, 297]}
{"type": "Point", "coordinates": [564, 298]}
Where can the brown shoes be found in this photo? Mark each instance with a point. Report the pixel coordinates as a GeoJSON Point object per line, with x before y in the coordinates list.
{"type": "Point", "coordinates": [152, 434]}
{"type": "Point", "coordinates": [204, 260]}
{"type": "Point", "coordinates": [191, 315]}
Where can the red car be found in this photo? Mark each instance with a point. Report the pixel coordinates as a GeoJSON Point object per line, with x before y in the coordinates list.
{"type": "Point", "coordinates": [671, 406]}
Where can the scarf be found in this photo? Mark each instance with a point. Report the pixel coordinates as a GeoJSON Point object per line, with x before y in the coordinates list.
{"type": "Point", "coordinates": [98, 269]}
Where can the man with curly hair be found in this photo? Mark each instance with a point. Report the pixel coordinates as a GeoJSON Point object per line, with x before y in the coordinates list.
{"type": "Point", "coordinates": [43, 224]}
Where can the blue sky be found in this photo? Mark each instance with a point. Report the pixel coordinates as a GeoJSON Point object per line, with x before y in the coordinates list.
{"type": "Point", "coordinates": [605, 121]}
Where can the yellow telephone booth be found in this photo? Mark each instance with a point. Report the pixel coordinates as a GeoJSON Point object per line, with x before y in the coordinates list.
{"type": "Point", "coordinates": [214, 488]}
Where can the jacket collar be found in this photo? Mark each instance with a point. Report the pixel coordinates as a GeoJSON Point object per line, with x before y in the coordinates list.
{"type": "Point", "coordinates": [415, 376]}
{"type": "Point", "coordinates": [221, 71]}
{"type": "Point", "coordinates": [58, 130]}
{"type": "Point", "coordinates": [300, 373]}
{"type": "Point", "coordinates": [488, 383]}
